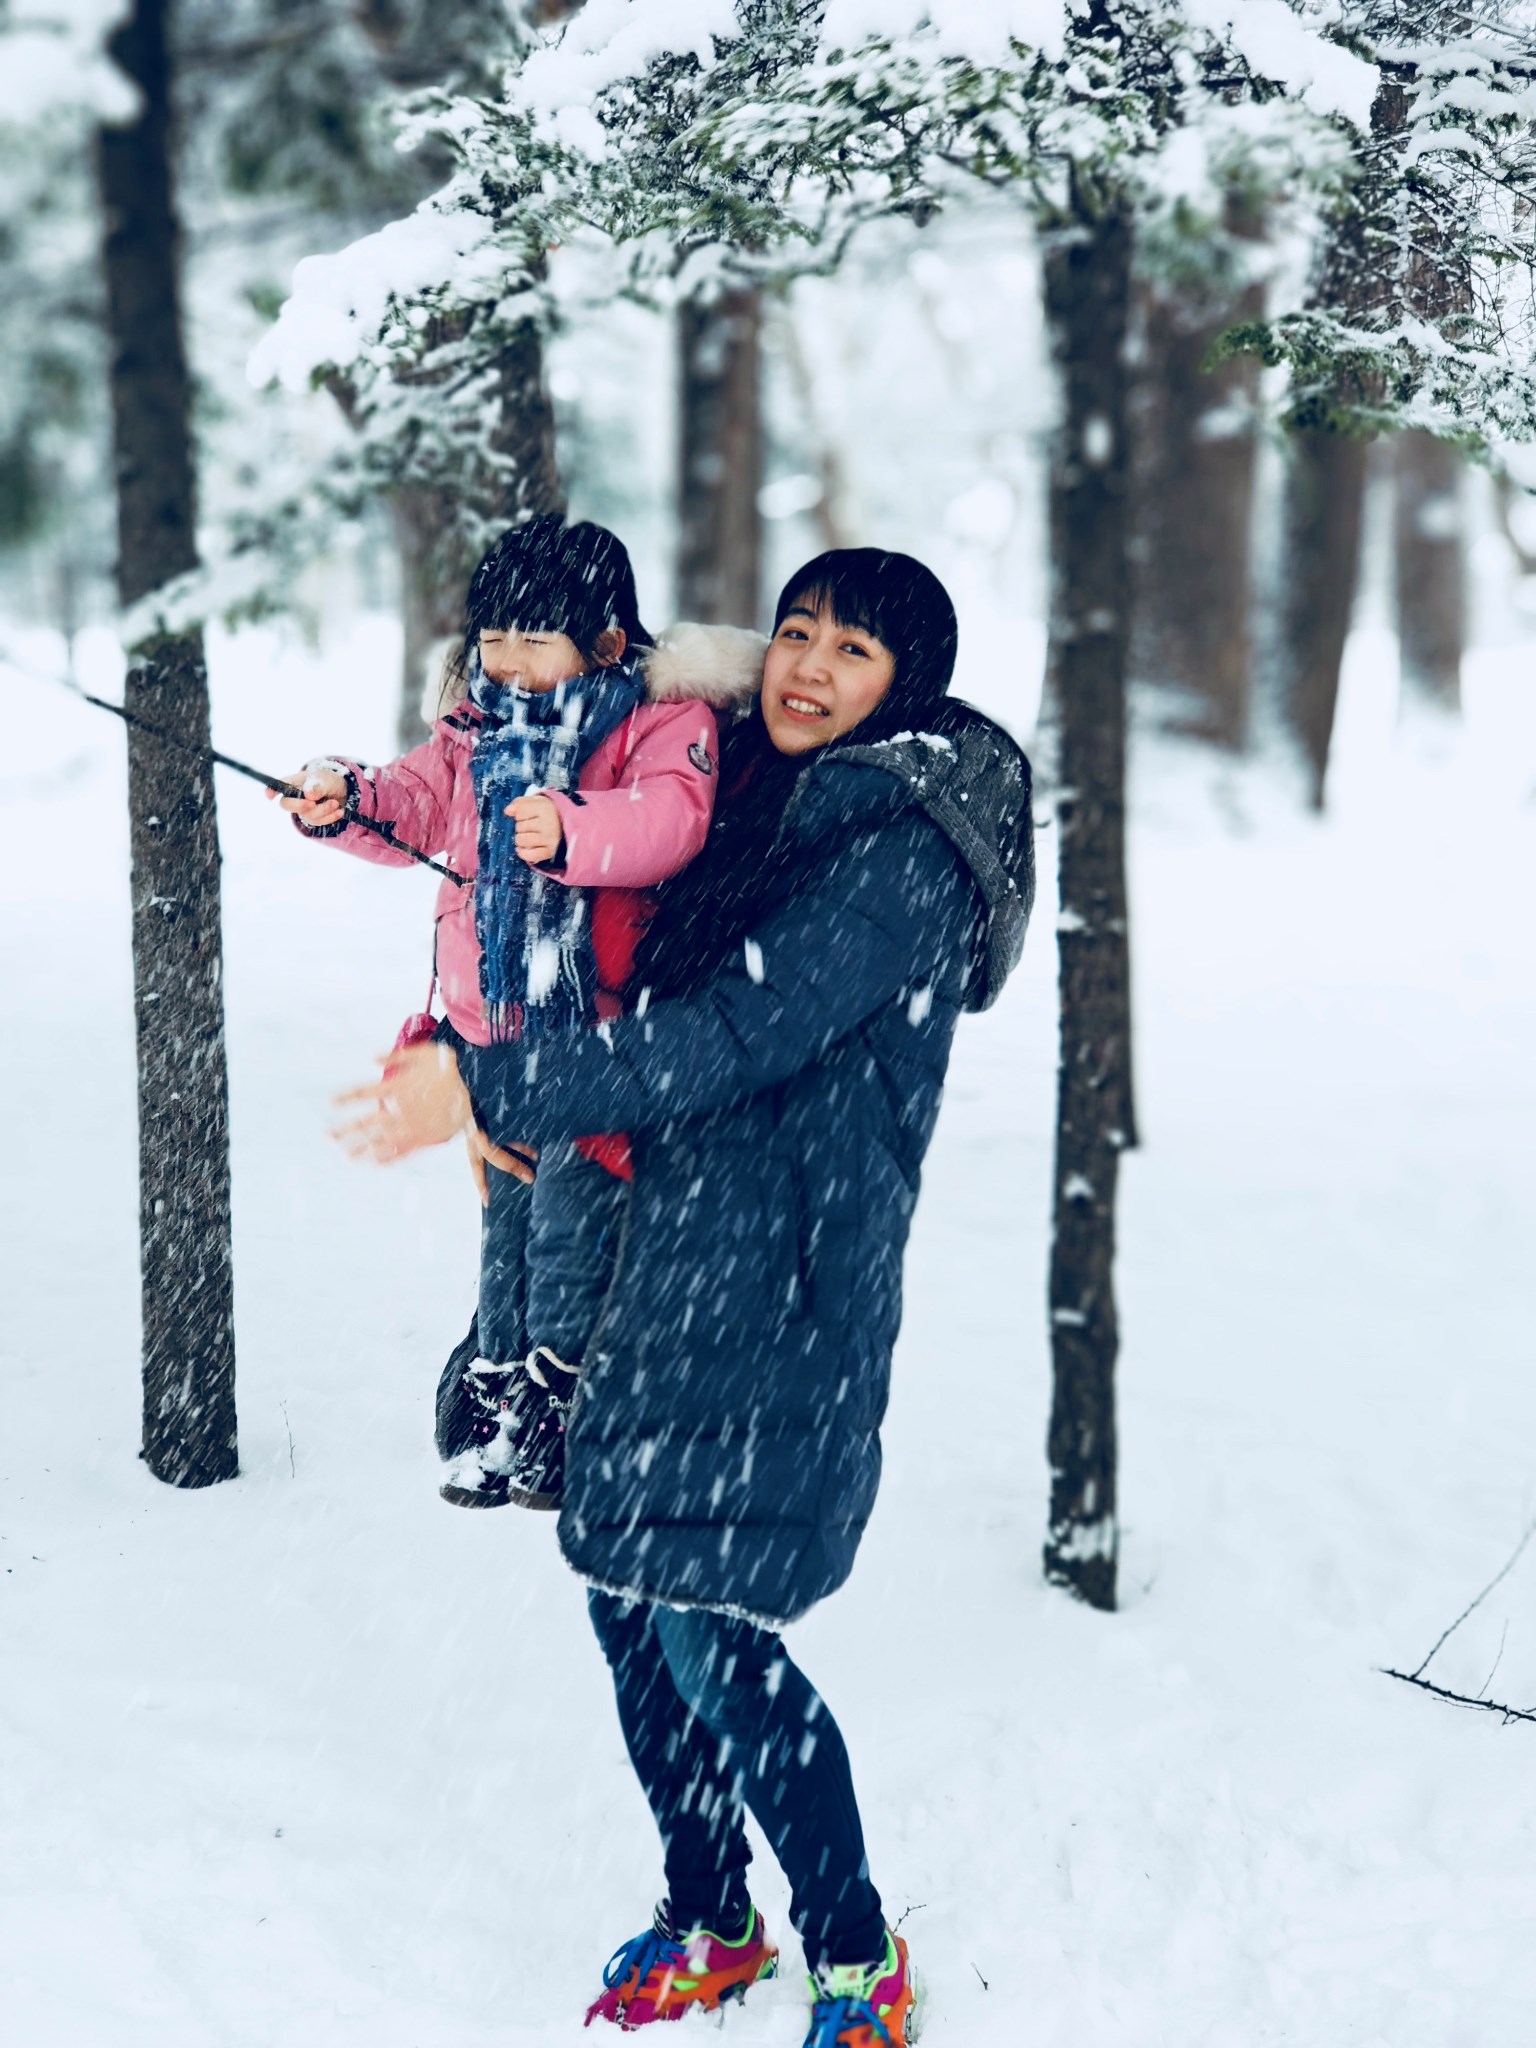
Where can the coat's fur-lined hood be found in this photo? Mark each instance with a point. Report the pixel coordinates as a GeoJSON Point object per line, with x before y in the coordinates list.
{"type": "Point", "coordinates": [717, 665]}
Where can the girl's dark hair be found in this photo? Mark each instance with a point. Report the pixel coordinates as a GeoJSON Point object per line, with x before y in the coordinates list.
{"type": "Point", "coordinates": [703, 914]}
{"type": "Point", "coordinates": [547, 577]}
{"type": "Point", "coordinates": [907, 609]}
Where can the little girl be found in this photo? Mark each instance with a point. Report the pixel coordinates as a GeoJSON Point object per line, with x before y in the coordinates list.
{"type": "Point", "coordinates": [572, 770]}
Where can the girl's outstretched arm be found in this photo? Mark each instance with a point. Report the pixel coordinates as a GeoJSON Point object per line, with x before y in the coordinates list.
{"type": "Point", "coordinates": [414, 794]}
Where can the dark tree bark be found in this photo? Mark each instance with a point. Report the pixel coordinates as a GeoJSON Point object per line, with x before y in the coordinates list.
{"type": "Point", "coordinates": [1430, 578]}
{"type": "Point", "coordinates": [1326, 472]}
{"type": "Point", "coordinates": [428, 523]}
{"type": "Point", "coordinates": [1195, 447]}
{"type": "Point", "coordinates": [1324, 514]}
{"type": "Point", "coordinates": [1087, 295]}
{"type": "Point", "coordinates": [183, 1095]}
{"type": "Point", "coordinates": [720, 460]}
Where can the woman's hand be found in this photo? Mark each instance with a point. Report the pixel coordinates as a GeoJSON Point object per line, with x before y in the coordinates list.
{"type": "Point", "coordinates": [418, 1100]}
{"type": "Point", "coordinates": [539, 831]}
{"type": "Point", "coordinates": [482, 1153]}
{"type": "Point", "coordinates": [324, 801]}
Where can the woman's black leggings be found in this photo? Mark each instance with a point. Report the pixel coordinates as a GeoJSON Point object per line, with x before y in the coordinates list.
{"type": "Point", "coordinates": [717, 1716]}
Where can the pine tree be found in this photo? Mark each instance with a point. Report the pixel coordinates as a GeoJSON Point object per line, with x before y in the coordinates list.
{"type": "Point", "coordinates": [1429, 569]}
{"type": "Point", "coordinates": [184, 1199]}
{"type": "Point", "coordinates": [720, 457]}
{"type": "Point", "coordinates": [1195, 444]}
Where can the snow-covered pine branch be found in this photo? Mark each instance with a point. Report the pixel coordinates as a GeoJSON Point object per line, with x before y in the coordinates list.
{"type": "Point", "coordinates": [731, 137]}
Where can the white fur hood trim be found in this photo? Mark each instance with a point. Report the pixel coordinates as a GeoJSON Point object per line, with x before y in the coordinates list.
{"type": "Point", "coordinates": [719, 665]}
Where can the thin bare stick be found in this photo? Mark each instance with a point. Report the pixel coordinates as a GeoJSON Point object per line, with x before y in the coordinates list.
{"type": "Point", "coordinates": [1473, 1605]}
{"type": "Point", "coordinates": [1459, 1699]}
{"type": "Point", "coordinates": [1493, 1671]}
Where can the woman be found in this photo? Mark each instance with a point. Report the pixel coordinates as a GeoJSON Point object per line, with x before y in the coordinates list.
{"type": "Point", "coordinates": [869, 875]}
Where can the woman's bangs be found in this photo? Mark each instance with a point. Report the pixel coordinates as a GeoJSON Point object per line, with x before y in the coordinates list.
{"type": "Point", "coordinates": [849, 593]}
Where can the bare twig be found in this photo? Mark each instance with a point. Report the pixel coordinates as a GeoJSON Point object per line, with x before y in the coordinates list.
{"type": "Point", "coordinates": [1503, 1639]}
{"type": "Point", "coordinates": [1473, 1605]}
{"type": "Point", "coordinates": [1462, 1699]}
{"type": "Point", "coordinates": [1459, 1699]}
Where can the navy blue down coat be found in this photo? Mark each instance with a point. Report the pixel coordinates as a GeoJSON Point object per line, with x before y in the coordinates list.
{"type": "Point", "coordinates": [724, 1447]}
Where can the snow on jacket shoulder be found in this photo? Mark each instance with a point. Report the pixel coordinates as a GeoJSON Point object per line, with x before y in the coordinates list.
{"type": "Point", "coordinates": [639, 813]}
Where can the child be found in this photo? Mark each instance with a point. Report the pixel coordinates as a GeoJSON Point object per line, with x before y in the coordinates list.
{"type": "Point", "coordinates": [575, 771]}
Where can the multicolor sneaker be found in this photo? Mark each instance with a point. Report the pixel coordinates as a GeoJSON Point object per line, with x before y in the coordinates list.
{"type": "Point", "coordinates": [659, 1976]}
{"type": "Point", "coordinates": [867, 2005]}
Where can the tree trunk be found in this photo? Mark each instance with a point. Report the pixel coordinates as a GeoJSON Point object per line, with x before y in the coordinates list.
{"type": "Point", "coordinates": [183, 1099]}
{"type": "Point", "coordinates": [1087, 294]}
{"type": "Point", "coordinates": [1324, 510]}
{"type": "Point", "coordinates": [1431, 594]}
{"type": "Point", "coordinates": [431, 602]}
{"type": "Point", "coordinates": [720, 460]}
{"type": "Point", "coordinates": [428, 524]}
{"type": "Point", "coordinates": [1195, 448]}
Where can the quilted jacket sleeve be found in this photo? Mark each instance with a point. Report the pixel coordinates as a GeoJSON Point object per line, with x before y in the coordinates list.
{"type": "Point", "coordinates": [883, 913]}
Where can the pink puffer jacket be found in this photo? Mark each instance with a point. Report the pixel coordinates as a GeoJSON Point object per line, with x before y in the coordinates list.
{"type": "Point", "coordinates": [639, 813]}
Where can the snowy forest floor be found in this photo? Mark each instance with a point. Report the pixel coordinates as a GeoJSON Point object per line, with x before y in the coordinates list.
{"type": "Point", "coordinates": [313, 1760]}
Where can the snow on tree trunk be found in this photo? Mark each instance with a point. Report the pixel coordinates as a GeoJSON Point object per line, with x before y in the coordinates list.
{"type": "Point", "coordinates": [720, 459]}
{"type": "Point", "coordinates": [1320, 561]}
{"type": "Point", "coordinates": [1087, 293]}
{"type": "Point", "coordinates": [1431, 594]}
{"type": "Point", "coordinates": [183, 1095]}
{"type": "Point", "coordinates": [1195, 444]}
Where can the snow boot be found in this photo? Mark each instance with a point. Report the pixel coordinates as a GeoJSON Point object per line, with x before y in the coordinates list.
{"type": "Point", "coordinates": [516, 1452]}
{"type": "Point", "coordinates": [459, 1408]}
{"type": "Point", "coordinates": [661, 1976]}
{"type": "Point", "coordinates": [874, 2005]}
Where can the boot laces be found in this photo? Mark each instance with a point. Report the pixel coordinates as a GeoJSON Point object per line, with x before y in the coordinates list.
{"type": "Point", "coordinates": [643, 1953]}
{"type": "Point", "coordinates": [846, 2023]}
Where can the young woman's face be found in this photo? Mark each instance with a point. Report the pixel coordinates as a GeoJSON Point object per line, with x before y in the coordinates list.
{"type": "Point", "coordinates": [535, 662]}
{"type": "Point", "coordinates": [821, 679]}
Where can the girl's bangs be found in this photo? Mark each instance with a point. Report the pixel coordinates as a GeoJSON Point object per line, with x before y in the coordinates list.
{"type": "Point", "coordinates": [522, 604]}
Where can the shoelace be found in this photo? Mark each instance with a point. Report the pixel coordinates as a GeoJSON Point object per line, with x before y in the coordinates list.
{"type": "Point", "coordinates": [834, 2019]}
{"type": "Point", "coordinates": [643, 1952]}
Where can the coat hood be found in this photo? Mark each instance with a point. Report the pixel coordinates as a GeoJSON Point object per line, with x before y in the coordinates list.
{"type": "Point", "coordinates": [717, 665]}
{"type": "Point", "coordinates": [974, 782]}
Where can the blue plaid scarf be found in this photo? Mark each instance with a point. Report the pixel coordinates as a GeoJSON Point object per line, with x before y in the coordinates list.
{"type": "Point", "coordinates": [538, 973]}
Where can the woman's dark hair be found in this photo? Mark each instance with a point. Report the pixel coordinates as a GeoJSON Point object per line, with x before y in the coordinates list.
{"type": "Point", "coordinates": [907, 609]}
{"type": "Point", "coordinates": [547, 577]}
{"type": "Point", "coordinates": [703, 915]}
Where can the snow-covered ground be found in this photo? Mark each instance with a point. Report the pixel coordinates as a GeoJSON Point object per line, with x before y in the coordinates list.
{"type": "Point", "coordinates": [312, 1760]}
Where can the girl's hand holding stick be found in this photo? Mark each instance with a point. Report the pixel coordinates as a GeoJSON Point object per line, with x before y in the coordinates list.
{"type": "Point", "coordinates": [324, 801]}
